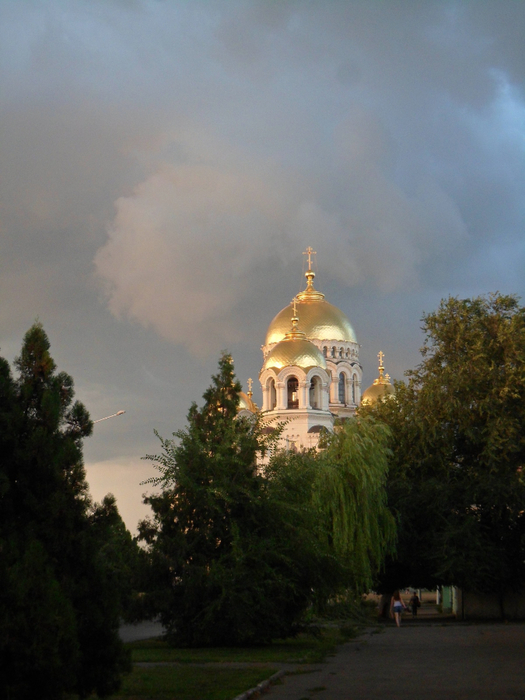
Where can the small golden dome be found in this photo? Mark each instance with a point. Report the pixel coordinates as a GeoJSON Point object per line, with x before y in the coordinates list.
{"type": "Point", "coordinates": [294, 352]}
{"type": "Point", "coordinates": [246, 403]}
{"type": "Point", "coordinates": [319, 319]}
{"type": "Point", "coordinates": [381, 387]}
{"type": "Point", "coordinates": [377, 391]}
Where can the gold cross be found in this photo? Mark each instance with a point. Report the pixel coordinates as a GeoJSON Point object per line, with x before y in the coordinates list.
{"type": "Point", "coordinates": [250, 384]}
{"type": "Point", "coordinates": [381, 354]}
{"type": "Point", "coordinates": [309, 251]}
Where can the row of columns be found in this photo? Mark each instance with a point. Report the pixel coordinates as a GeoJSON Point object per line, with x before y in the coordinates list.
{"type": "Point", "coordinates": [303, 391]}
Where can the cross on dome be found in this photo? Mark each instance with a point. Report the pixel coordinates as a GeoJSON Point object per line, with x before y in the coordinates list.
{"type": "Point", "coordinates": [310, 251]}
{"type": "Point", "coordinates": [381, 368]}
{"type": "Point", "coordinates": [294, 332]}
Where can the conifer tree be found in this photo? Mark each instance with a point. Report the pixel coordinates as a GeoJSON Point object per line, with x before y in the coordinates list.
{"type": "Point", "coordinates": [58, 613]}
{"type": "Point", "coordinates": [233, 563]}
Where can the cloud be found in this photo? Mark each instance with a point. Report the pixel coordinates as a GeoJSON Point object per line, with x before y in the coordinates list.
{"type": "Point", "coordinates": [183, 249]}
{"type": "Point", "coordinates": [193, 150]}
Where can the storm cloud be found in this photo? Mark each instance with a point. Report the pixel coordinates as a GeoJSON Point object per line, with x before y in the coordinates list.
{"type": "Point", "coordinates": [165, 164]}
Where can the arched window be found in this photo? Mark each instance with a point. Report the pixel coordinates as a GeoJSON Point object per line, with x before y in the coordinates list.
{"type": "Point", "coordinates": [292, 387]}
{"type": "Point", "coordinates": [354, 382]}
{"type": "Point", "coordinates": [333, 351]}
{"type": "Point", "coordinates": [325, 351]}
{"type": "Point", "coordinates": [315, 393]}
{"type": "Point", "coordinates": [272, 395]}
{"type": "Point", "coordinates": [342, 388]}
{"type": "Point", "coordinates": [341, 352]}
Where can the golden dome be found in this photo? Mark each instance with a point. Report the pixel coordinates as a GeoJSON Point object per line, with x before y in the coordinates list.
{"type": "Point", "coordinates": [381, 387]}
{"type": "Point", "coordinates": [294, 352]}
{"type": "Point", "coordinates": [246, 403]}
{"type": "Point", "coordinates": [319, 319]}
{"type": "Point", "coordinates": [377, 391]}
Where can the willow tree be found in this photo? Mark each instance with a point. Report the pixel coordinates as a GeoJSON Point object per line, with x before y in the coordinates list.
{"type": "Point", "coordinates": [350, 493]}
{"type": "Point", "coordinates": [343, 490]}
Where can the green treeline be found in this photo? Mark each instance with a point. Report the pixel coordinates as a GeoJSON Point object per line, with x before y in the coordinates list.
{"type": "Point", "coordinates": [420, 489]}
{"type": "Point", "coordinates": [456, 480]}
{"type": "Point", "coordinates": [241, 552]}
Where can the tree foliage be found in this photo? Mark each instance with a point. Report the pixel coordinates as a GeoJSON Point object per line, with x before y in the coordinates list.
{"type": "Point", "coordinates": [239, 555]}
{"type": "Point", "coordinates": [125, 563]}
{"type": "Point", "coordinates": [350, 493]}
{"type": "Point", "coordinates": [458, 427]}
{"type": "Point", "coordinates": [219, 556]}
{"type": "Point", "coordinates": [58, 613]}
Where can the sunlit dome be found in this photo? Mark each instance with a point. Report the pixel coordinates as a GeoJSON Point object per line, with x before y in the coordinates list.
{"type": "Point", "coordinates": [294, 352]}
{"type": "Point", "coordinates": [320, 320]}
{"type": "Point", "coordinates": [381, 388]}
{"type": "Point", "coordinates": [246, 403]}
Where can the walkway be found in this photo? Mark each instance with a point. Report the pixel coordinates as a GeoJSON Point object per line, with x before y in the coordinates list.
{"type": "Point", "coordinates": [419, 661]}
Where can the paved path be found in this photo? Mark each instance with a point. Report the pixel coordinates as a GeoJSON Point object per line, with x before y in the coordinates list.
{"type": "Point", "coordinates": [425, 661]}
{"type": "Point", "coordinates": [141, 630]}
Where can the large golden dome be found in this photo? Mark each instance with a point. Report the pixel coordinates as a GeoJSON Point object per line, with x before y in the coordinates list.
{"type": "Point", "coordinates": [319, 319]}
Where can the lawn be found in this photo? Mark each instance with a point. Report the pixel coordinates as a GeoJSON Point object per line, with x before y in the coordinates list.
{"type": "Point", "coordinates": [190, 683]}
{"type": "Point", "coordinates": [305, 648]}
{"type": "Point", "coordinates": [190, 678]}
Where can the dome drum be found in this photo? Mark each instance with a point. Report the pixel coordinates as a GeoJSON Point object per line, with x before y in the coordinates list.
{"type": "Point", "coordinates": [292, 389]}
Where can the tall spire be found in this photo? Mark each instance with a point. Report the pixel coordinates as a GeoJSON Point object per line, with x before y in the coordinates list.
{"type": "Point", "coordinates": [310, 293]}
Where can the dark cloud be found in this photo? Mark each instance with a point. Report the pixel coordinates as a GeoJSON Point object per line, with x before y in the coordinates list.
{"type": "Point", "coordinates": [164, 165]}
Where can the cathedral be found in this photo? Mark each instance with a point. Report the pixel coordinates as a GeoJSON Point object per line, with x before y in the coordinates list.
{"type": "Point", "coordinates": [311, 372]}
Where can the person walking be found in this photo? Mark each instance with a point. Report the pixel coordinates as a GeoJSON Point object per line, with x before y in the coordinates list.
{"type": "Point", "coordinates": [414, 604]}
{"type": "Point", "coordinates": [397, 606]}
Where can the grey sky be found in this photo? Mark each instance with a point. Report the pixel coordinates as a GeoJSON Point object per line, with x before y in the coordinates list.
{"type": "Point", "coordinates": [164, 165]}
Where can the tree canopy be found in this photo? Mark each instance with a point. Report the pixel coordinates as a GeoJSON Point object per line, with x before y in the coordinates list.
{"type": "Point", "coordinates": [240, 553]}
{"type": "Point", "coordinates": [59, 615]}
{"type": "Point", "coordinates": [458, 440]}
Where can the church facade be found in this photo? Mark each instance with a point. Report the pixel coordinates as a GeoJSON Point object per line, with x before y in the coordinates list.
{"type": "Point", "coordinates": [311, 373]}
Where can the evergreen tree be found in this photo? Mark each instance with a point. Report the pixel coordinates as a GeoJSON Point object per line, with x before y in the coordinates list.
{"type": "Point", "coordinates": [58, 614]}
{"type": "Point", "coordinates": [124, 561]}
{"type": "Point", "coordinates": [231, 566]}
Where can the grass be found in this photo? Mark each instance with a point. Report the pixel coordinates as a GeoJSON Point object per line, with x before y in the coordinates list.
{"type": "Point", "coordinates": [305, 648]}
{"type": "Point", "coordinates": [189, 683]}
{"type": "Point", "coordinates": [185, 681]}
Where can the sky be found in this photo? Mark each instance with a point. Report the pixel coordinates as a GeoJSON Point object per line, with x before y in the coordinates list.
{"type": "Point", "coordinates": [164, 164]}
